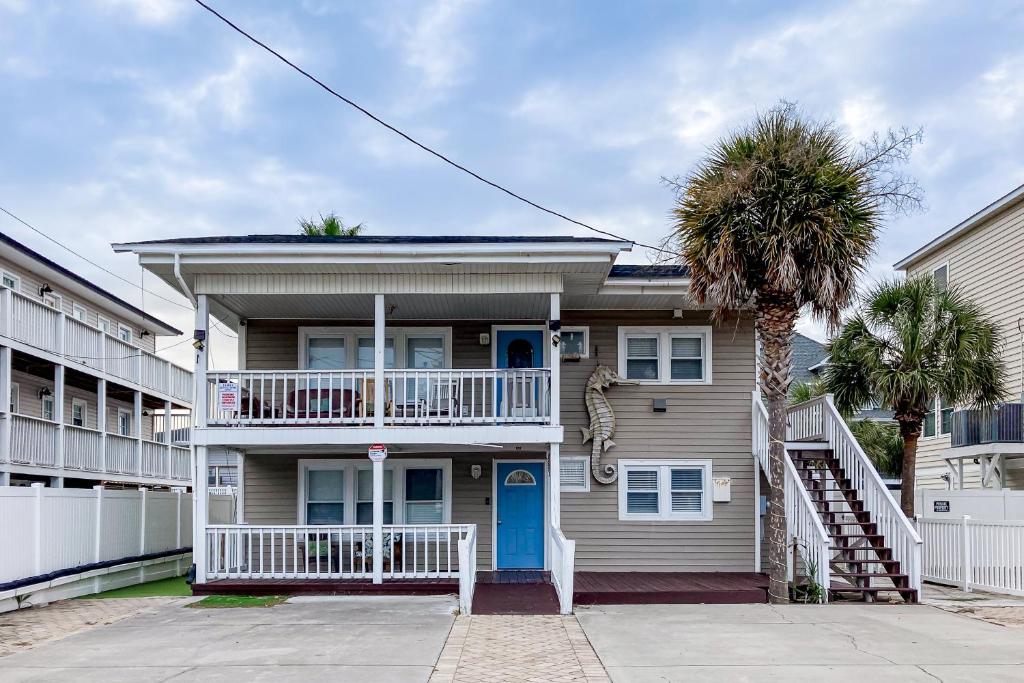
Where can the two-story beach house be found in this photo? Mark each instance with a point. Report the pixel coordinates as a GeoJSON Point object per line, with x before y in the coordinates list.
{"type": "Point", "coordinates": [963, 448]}
{"type": "Point", "coordinates": [87, 400]}
{"type": "Point", "coordinates": [412, 411]}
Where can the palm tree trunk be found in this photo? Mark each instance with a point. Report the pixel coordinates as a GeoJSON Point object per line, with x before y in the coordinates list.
{"type": "Point", "coordinates": [910, 430]}
{"type": "Point", "coordinates": [776, 321]}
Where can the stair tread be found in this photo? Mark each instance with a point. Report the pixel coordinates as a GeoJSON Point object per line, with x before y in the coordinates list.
{"type": "Point", "coordinates": [864, 575]}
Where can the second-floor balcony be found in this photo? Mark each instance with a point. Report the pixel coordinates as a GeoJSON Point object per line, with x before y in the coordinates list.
{"type": "Point", "coordinates": [412, 397]}
{"type": "Point", "coordinates": [1002, 423]}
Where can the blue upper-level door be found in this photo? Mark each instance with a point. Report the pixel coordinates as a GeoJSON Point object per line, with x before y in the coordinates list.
{"type": "Point", "coordinates": [520, 515]}
{"type": "Point", "coordinates": [519, 349]}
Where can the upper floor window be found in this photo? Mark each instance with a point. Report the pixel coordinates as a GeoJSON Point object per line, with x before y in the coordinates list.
{"type": "Point", "coordinates": [103, 324]}
{"type": "Point", "coordinates": [52, 300]}
{"type": "Point", "coordinates": [78, 312]}
{"type": "Point", "coordinates": [15, 397]}
{"type": "Point", "coordinates": [125, 333]}
{"type": "Point", "coordinates": [326, 352]}
{"type": "Point", "coordinates": [124, 422]}
{"type": "Point", "coordinates": [575, 342]}
{"type": "Point", "coordinates": [938, 420]}
{"type": "Point", "coordinates": [665, 355]}
{"type": "Point", "coordinates": [941, 277]}
{"type": "Point", "coordinates": [48, 407]}
{"type": "Point", "coordinates": [324, 348]}
{"type": "Point", "coordinates": [11, 282]}
{"type": "Point", "coordinates": [78, 412]}
{"type": "Point", "coordinates": [665, 490]}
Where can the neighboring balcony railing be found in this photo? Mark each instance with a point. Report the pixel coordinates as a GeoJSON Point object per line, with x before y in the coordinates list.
{"type": "Point", "coordinates": [411, 397]}
{"type": "Point", "coordinates": [35, 324]}
{"type": "Point", "coordinates": [1001, 423]}
{"type": "Point", "coordinates": [35, 443]}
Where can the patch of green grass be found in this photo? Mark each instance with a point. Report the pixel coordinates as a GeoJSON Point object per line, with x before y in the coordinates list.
{"type": "Point", "coordinates": [219, 601]}
{"type": "Point", "coordinates": [173, 587]}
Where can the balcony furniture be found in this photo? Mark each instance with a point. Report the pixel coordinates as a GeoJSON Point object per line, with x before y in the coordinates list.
{"type": "Point", "coordinates": [443, 396]}
{"type": "Point", "coordinates": [255, 409]}
{"type": "Point", "coordinates": [365, 407]}
{"type": "Point", "coordinates": [323, 553]}
{"type": "Point", "coordinates": [329, 403]}
{"type": "Point", "coordinates": [366, 551]}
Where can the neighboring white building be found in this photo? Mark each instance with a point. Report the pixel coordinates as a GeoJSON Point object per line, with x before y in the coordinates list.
{"type": "Point", "coordinates": [87, 397]}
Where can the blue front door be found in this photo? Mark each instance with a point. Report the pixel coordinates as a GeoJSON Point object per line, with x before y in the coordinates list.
{"type": "Point", "coordinates": [518, 349]}
{"type": "Point", "coordinates": [520, 515]}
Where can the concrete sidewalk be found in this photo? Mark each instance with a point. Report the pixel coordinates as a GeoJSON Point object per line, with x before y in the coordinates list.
{"type": "Point", "coordinates": [384, 638]}
{"type": "Point", "coordinates": [831, 643]}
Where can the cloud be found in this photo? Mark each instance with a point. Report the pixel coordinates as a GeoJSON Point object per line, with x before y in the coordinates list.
{"type": "Point", "coordinates": [150, 12]}
{"type": "Point", "coordinates": [1003, 88]}
{"type": "Point", "coordinates": [224, 96]}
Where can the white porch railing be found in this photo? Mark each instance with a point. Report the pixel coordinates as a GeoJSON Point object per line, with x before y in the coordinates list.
{"type": "Point", "coordinates": [412, 397]}
{"type": "Point", "coordinates": [36, 324]}
{"type": "Point", "coordinates": [563, 565]}
{"type": "Point", "coordinates": [804, 421]}
{"type": "Point", "coordinates": [410, 551]}
{"type": "Point", "coordinates": [34, 443]}
{"type": "Point", "coordinates": [803, 526]}
{"type": "Point", "coordinates": [467, 570]}
{"type": "Point", "coordinates": [973, 553]}
{"type": "Point", "coordinates": [886, 513]}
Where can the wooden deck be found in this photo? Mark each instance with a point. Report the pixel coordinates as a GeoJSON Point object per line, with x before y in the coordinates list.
{"type": "Point", "coordinates": [643, 588]}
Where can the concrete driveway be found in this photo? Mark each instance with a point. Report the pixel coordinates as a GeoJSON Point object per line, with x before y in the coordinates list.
{"type": "Point", "coordinates": [877, 643]}
{"type": "Point", "coordinates": [309, 639]}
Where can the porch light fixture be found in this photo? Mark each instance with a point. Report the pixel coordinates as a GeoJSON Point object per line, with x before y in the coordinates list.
{"type": "Point", "coordinates": [45, 289]}
{"type": "Point", "coordinates": [45, 391]}
{"type": "Point", "coordinates": [475, 471]}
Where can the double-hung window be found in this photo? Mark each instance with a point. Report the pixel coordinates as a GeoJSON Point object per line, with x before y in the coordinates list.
{"type": "Point", "coordinates": [78, 412]}
{"type": "Point", "coordinates": [424, 496]}
{"type": "Point", "coordinates": [12, 282]}
{"type": "Point", "coordinates": [665, 355]}
{"type": "Point", "coordinates": [48, 407]}
{"type": "Point", "coordinates": [125, 333]}
{"type": "Point", "coordinates": [665, 490]}
{"type": "Point", "coordinates": [364, 496]}
{"type": "Point", "coordinates": [124, 422]}
{"type": "Point", "coordinates": [78, 312]}
{"type": "Point", "coordinates": [938, 420]}
{"type": "Point", "coordinates": [325, 496]}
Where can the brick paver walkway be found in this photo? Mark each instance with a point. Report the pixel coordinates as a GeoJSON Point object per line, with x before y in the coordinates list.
{"type": "Point", "coordinates": [500, 648]}
{"type": "Point", "coordinates": [34, 626]}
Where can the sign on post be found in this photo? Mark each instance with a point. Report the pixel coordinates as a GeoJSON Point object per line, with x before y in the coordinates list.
{"type": "Point", "coordinates": [940, 506]}
{"type": "Point", "coordinates": [227, 397]}
{"type": "Point", "coordinates": [378, 452]}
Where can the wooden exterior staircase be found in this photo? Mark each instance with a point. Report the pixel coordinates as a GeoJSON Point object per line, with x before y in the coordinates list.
{"type": "Point", "coordinates": [847, 531]}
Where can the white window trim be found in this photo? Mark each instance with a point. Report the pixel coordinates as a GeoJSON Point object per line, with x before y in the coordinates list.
{"type": "Point", "coordinates": [57, 299]}
{"type": "Point", "coordinates": [42, 407]}
{"type": "Point", "coordinates": [351, 335]}
{"type": "Point", "coordinates": [665, 513]}
{"type": "Point", "coordinates": [586, 339]}
{"type": "Point", "coordinates": [14, 400]}
{"type": "Point", "coordinates": [120, 412]}
{"type": "Point", "coordinates": [131, 333]}
{"type": "Point", "coordinates": [100, 319]}
{"type": "Point", "coordinates": [935, 410]}
{"type": "Point", "coordinates": [17, 281]}
{"type": "Point", "coordinates": [665, 334]}
{"type": "Point", "coordinates": [585, 488]}
{"type": "Point", "coordinates": [76, 402]}
{"type": "Point", "coordinates": [75, 308]}
{"type": "Point", "coordinates": [399, 466]}
{"type": "Point", "coordinates": [940, 267]}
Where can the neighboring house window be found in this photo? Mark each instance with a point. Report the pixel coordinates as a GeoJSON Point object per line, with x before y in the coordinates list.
{"type": "Point", "coordinates": [364, 496]}
{"type": "Point", "coordinates": [48, 408]}
{"type": "Point", "coordinates": [325, 496]}
{"type": "Point", "coordinates": [941, 277]}
{"type": "Point", "coordinates": [575, 342]}
{"type": "Point", "coordinates": [938, 420]}
{"type": "Point", "coordinates": [574, 472]}
{"type": "Point", "coordinates": [12, 282]}
{"type": "Point", "coordinates": [125, 333]}
{"type": "Point", "coordinates": [78, 412]}
{"type": "Point", "coordinates": [665, 490]}
{"type": "Point", "coordinates": [665, 355]}
{"type": "Point", "coordinates": [15, 397]}
{"type": "Point", "coordinates": [78, 312]}
{"type": "Point", "coordinates": [103, 324]}
{"type": "Point", "coordinates": [124, 422]}
{"type": "Point", "coordinates": [52, 300]}
{"type": "Point", "coordinates": [222, 475]}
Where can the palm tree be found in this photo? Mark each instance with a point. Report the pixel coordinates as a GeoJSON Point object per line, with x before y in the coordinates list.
{"type": "Point", "coordinates": [909, 343]}
{"type": "Point", "coordinates": [328, 226]}
{"type": "Point", "coordinates": [780, 216]}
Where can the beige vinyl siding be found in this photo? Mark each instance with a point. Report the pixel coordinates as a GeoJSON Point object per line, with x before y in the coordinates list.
{"type": "Point", "coordinates": [31, 282]}
{"type": "Point", "coordinates": [986, 263]}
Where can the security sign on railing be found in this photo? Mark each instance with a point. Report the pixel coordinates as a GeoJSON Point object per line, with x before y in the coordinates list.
{"type": "Point", "coordinates": [227, 397]}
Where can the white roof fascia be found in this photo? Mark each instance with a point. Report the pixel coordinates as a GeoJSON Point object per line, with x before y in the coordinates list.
{"type": "Point", "coordinates": [414, 252]}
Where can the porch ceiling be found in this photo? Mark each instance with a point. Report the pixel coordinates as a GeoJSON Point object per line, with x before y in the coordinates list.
{"type": "Point", "coordinates": [439, 450]}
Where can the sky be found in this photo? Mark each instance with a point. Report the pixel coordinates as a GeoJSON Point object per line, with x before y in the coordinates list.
{"type": "Point", "coordinates": [126, 120]}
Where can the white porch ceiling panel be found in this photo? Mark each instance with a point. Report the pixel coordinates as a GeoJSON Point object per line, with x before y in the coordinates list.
{"type": "Point", "coordinates": [376, 283]}
{"type": "Point", "coordinates": [400, 306]}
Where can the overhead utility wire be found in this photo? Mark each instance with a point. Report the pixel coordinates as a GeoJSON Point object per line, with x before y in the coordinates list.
{"type": "Point", "coordinates": [413, 140]}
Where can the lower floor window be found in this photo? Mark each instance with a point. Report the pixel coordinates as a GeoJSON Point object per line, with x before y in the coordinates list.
{"type": "Point", "coordinates": [341, 492]}
{"type": "Point", "coordinates": [664, 490]}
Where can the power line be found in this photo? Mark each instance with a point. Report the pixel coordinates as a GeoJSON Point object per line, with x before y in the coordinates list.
{"type": "Point", "coordinates": [413, 140]}
{"type": "Point", "coordinates": [91, 262]}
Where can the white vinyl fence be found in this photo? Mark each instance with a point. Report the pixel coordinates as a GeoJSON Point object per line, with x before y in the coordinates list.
{"type": "Point", "coordinates": [973, 553]}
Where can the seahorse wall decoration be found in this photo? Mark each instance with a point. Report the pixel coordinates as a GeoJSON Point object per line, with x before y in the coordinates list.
{"type": "Point", "coordinates": [602, 421]}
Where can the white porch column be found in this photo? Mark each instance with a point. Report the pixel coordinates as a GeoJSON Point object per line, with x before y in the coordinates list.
{"type": "Point", "coordinates": [378, 520]}
{"type": "Point", "coordinates": [137, 426]}
{"type": "Point", "coordinates": [757, 515]}
{"type": "Point", "coordinates": [5, 401]}
{"type": "Point", "coordinates": [555, 485]}
{"type": "Point", "coordinates": [555, 319]}
{"type": "Point", "coordinates": [199, 506]}
{"type": "Point", "coordinates": [58, 417]}
{"type": "Point", "coordinates": [168, 437]}
{"type": "Point", "coordinates": [101, 420]}
{"type": "Point", "coordinates": [378, 364]}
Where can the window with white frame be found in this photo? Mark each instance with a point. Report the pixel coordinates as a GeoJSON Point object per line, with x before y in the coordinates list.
{"type": "Point", "coordinates": [52, 300]}
{"type": "Point", "coordinates": [574, 472]}
{"type": "Point", "coordinates": [415, 491]}
{"type": "Point", "coordinates": [222, 475]}
{"type": "Point", "coordinates": [665, 490]}
{"type": "Point", "coordinates": [15, 397]}
{"type": "Point", "coordinates": [938, 421]}
{"type": "Point", "coordinates": [665, 355]}
{"type": "Point", "coordinates": [78, 312]}
{"type": "Point", "coordinates": [103, 324]}
{"type": "Point", "coordinates": [575, 342]}
{"type": "Point", "coordinates": [404, 347]}
{"type": "Point", "coordinates": [79, 412]}
{"type": "Point", "coordinates": [364, 352]}
{"type": "Point", "coordinates": [941, 277]}
{"type": "Point", "coordinates": [124, 422]}
{"type": "Point", "coordinates": [48, 407]}
{"type": "Point", "coordinates": [125, 333]}
{"type": "Point", "coordinates": [11, 281]}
